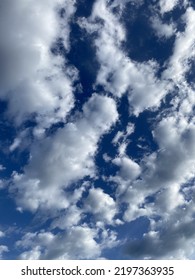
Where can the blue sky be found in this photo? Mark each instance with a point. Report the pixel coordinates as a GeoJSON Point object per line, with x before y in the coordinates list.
{"type": "Point", "coordinates": [97, 129]}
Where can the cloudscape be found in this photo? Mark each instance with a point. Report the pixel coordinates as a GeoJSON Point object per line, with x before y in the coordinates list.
{"type": "Point", "coordinates": [97, 125]}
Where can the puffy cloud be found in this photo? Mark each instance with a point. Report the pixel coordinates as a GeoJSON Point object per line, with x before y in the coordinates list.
{"type": "Point", "coordinates": [3, 249]}
{"type": "Point", "coordinates": [155, 186]}
{"type": "Point", "coordinates": [71, 217]}
{"type": "Point", "coordinates": [2, 185]}
{"type": "Point", "coordinates": [172, 237]}
{"type": "Point", "coordinates": [65, 157]}
{"type": "Point", "coordinates": [77, 243]}
{"type": "Point", "coordinates": [175, 160]}
{"type": "Point", "coordinates": [171, 234]}
{"type": "Point", "coordinates": [121, 138]}
{"type": "Point", "coordinates": [184, 51]}
{"type": "Point", "coordinates": [129, 170]}
{"type": "Point", "coordinates": [122, 75]}
{"type": "Point", "coordinates": [134, 199]}
{"type": "Point", "coordinates": [167, 5]}
{"type": "Point", "coordinates": [161, 29]}
{"type": "Point", "coordinates": [1, 167]}
{"type": "Point", "coordinates": [146, 91]}
{"type": "Point", "coordinates": [101, 205]}
{"type": "Point", "coordinates": [33, 80]}
{"type": "Point", "coordinates": [126, 191]}
{"type": "Point", "coordinates": [33, 254]}
{"type": "Point", "coordinates": [184, 101]}
{"type": "Point", "coordinates": [163, 172]}
{"type": "Point", "coordinates": [169, 198]}
{"type": "Point", "coordinates": [122, 3]}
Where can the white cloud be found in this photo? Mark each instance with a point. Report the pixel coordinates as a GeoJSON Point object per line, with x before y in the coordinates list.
{"type": "Point", "coordinates": [64, 157]}
{"type": "Point", "coordinates": [32, 78]}
{"type": "Point", "coordinates": [127, 192]}
{"type": "Point", "coordinates": [71, 217]}
{"type": "Point", "coordinates": [101, 205]}
{"type": "Point", "coordinates": [184, 101]}
{"type": "Point", "coordinates": [171, 237]}
{"type": "Point", "coordinates": [3, 249]}
{"type": "Point", "coordinates": [161, 29]}
{"type": "Point", "coordinates": [21, 141]}
{"type": "Point", "coordinates": [121, 138]}
{"type": "Point", "coordinates": [163, 172]}
{"type": "Point", "coordinates": [154, 187]}
{"type": "Point", "coordinates": [169, 198]}
{"type": "Point", "coordinates": [16, 143]}
{"type": "Point", "coordinates": [146, 91]}
{"type": "Point", "coordinates": [167, 5]}
{"type": "Point", "coordinates": [77, 243]}
{"type": "Point", "coordinates": [134, 198]}
{"type": "Point", "coordinates": [122, 3]}
{"type": "Point", "coordinates": [175, 160]}
{"type": "Point", "coordinates": [129, 170]}
{"type": "Point", "coordinates": [109, 237]}
{"type": "Point", "coordinates": [2, 167]}
{"type": "Point", "coordinates": [184, 50]}
{"type": "Point", "coordinates": [3, 184]}
{"type": "Point", "coordinates": [33, 254]}
{"type": "Point", "coordinates": [122, 75]}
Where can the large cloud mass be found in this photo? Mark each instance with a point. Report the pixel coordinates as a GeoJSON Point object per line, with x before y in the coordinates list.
{"type": "Point", "coordinates": [33, 79]}
{"type": "Point", "coordinates": [65, 157]}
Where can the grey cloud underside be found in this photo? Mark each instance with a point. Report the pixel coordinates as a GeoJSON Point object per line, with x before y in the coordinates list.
{"type": "Point", "coordinates": [59, 179]}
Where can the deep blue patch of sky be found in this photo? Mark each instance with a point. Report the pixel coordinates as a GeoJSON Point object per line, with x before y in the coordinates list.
{"type": "Point", "coordinates": [140, 34]}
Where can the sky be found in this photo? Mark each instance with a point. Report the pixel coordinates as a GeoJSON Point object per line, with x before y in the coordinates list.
{"type": "Point", "coordinates": [97, 129]}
